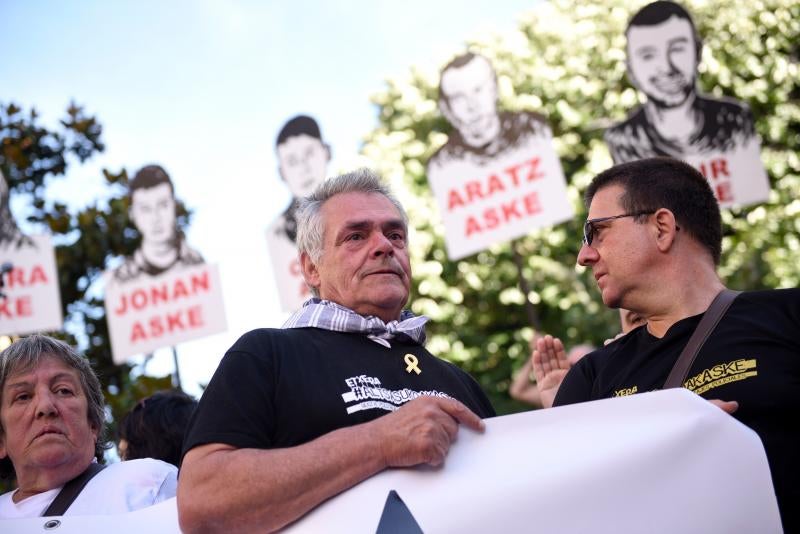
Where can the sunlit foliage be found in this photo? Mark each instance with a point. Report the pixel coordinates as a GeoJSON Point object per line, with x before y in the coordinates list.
{"type": "Point", "coordinates": [566, 60]}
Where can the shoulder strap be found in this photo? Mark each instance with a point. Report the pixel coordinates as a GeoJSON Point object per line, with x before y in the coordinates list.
{"type": "Point", "coordinates": [718, 307]}
{"type": "Point", "coordinates": [71, 490]}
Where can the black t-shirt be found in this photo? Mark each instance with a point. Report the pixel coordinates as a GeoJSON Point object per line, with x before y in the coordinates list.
{"type": "Point", "coordinates": [281, 388]}
{"type": "Point", "coordinates": [752, 357]}
{"type": "Point", "coordinates": [724, 124]}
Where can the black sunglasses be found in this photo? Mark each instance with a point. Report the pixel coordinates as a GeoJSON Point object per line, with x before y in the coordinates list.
{"type": "Point", "coordinates": [589, 229]}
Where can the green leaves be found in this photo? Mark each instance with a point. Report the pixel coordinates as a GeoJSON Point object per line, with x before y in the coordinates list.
{"type": "Point", "coordinates": [567, 61]}
{"type": "Point", "coordinates": [30, 153]}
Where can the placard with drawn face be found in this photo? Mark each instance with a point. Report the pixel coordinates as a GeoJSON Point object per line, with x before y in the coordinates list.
{"type": "Point", "coordinates": [715, 135]}
{"type": "Point", "coordinates": [498, 176]}
{"type": "Point", "coordinates": [164, 293]}
{"type": "Point", "coordinates": [30, 299]}
{"type": "Point", "coordinates": [302, 164]}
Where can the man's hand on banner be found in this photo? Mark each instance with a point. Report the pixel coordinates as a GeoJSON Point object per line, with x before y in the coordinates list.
{"type": "Point", "coordinates": [422, 431]}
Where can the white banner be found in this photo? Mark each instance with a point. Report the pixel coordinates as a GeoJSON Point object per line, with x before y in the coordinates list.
{"type": "Point", "coordinates": [660, 462]}
{"type": "Point", "coordinates": [151, 312]}
{"type": "Point", "coordinates": [161, 518]}
{"type": "Point", "coordinates": [484, 201]}
{"type": "Point", "coordinates": [32, 300]}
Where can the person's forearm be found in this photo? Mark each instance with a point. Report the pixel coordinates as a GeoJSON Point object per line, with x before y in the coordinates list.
{"type": "Point", "coordinates": [522, 389]}
{"type": "Point", "coordinates": [520, 380]}
{"type": "Point", "coordinates": [251, 490]}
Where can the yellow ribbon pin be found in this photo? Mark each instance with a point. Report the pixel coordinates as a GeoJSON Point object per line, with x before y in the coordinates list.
{"type": "Point", "coordinates": [412, 361]}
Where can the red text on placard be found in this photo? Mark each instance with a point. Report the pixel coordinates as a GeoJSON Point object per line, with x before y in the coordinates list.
{"type": "Point", "coordinates": [717, 173]}
{"type": "Point", "coordinates": [155, 295]}
{"type": "Point", "coordinates": [13, 307]}
{"type": "Point", "coordinates": [168, 323]}
{"type": "Point", "coordinates": [26, 277]}
{"type": "Point", "coordinates": [512, 177]}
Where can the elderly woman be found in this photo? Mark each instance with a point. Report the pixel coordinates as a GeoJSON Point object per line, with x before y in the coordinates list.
{"type": "Point", "coordinates": [52, 434]}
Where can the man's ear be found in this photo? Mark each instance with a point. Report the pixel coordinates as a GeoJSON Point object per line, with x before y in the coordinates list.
{"type": "Point", "coordinates": [665, 229]}
{"type": "Point", "coordinates": [310, 271]}
{"type": "Point", "coordinates": [2, 445]}
{"type": "Point", "coordinates": [328, 152]}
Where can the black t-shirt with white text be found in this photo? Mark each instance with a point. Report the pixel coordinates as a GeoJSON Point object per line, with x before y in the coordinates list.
{"type": "Point", "coordinates": [752, 357]}
{"type": "Point", "coordinates": [281, 388]}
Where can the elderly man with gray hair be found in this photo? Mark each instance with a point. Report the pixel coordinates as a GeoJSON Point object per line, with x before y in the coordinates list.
{"type": "Point", "coordinates": [52, 420]}
{"type": "Point", "coordinates": [344, 390]}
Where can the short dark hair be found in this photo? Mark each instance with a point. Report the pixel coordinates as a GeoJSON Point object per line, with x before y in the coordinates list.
{"type": "Point", "coordinates": [299, 125]}
{"type": "Point", "coordinates": [26, 354]}
{"type": "Point", "coordinates": [458, 62]}
{"type": "Point", "coordinates": [661, 11]}
{"type": "Point", "coordinates": [662, 182]}
{"type": "Point", "coordinates": [155, 426]}
{"type": "Point", "coordinates": [148, 177]}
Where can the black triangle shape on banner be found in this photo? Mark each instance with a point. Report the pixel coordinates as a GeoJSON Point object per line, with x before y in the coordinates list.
{"type": "Point", "coordinates": [396, 517]}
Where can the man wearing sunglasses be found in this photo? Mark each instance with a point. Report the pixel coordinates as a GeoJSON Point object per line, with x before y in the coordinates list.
{"type": "Point", "coordinates": [653, 240]}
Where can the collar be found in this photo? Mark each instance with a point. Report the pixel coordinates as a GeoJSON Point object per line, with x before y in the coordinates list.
{"type": "Point", "coordinates": [327, 315]}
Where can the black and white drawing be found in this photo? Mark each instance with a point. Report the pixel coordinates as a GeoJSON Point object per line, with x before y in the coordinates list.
{"type": "Point", "coordinates": [497, 177]}
{"type": "Point", "coordinates": [716, 135]}
{"type": "Point", "coordinates": [468, 100]}
{"type": "Point", "coordinates": [302, 163]}
{"type": "Point", "coordinates": [164, 293]}
{"type": "Point", "coordinates": [303, 159]}
{"type": "Point", "coordinates": [153, 212]}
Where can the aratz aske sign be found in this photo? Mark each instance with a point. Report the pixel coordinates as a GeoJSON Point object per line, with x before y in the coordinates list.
{"type": "Point", "coordinates": [502, 199]}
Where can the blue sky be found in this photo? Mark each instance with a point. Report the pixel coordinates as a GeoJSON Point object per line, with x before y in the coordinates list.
{"type": "Point", "coordinates": [202, 87]}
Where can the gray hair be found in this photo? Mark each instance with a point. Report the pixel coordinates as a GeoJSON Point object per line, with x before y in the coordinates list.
{"type": "Point", "coordinates": [310, 224]}
{"type": "Point", "coordinates": [26, 354]}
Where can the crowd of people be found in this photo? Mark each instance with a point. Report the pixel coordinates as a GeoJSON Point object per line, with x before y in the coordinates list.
{"type": "Point", "coordinates": [346, 388]}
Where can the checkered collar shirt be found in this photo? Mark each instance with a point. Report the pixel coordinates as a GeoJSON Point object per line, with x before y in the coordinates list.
{"type": "Point", "coordinates": [327, 315]}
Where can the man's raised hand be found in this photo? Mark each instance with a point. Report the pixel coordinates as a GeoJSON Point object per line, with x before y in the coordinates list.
{"type": "Point", "coordinates": [550, 366]}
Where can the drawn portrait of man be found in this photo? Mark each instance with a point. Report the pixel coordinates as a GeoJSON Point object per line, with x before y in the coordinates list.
{"type": "Point", "coordinates": [468, 100]}
{"type": "Point", "coordinates": [11, 237]}
{"type": "Point", "coordinates": [302, 163]}
{"type": "Point", "coordinates": [303, 159]}
{"type": "Point", "coordinates": [497, 177]}
{"type": "Point", "coordinates": [716, 135]}
{"type": "Point", "coordinates": [153, 213]}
